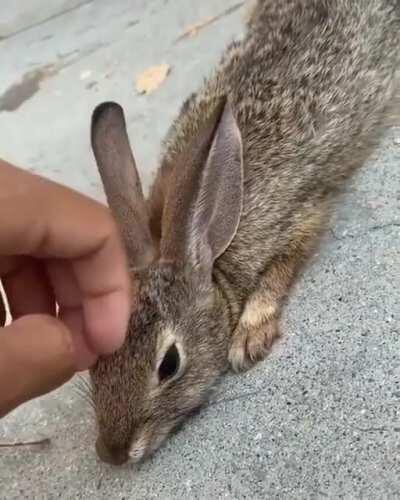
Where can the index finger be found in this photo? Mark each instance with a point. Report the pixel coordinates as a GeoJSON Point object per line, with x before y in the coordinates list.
{"type": "Point", "coordinates": [43, 219]}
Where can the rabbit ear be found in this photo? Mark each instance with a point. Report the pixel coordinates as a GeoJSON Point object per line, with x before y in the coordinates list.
{"type": "Point", "coordinates": [121, 181]}
{"type": "Point", "coordinates": [204, 205]}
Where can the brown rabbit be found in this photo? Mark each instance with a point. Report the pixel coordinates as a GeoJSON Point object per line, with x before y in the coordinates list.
{"type": "Point", "coordinates": [246, 180]}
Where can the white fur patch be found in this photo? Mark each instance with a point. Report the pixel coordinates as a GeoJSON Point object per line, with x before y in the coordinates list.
{"type": "Point", "coordinates": [139, 448]}
{"type": "Point", "coordinates": [256, 312]}
{"type": "Point", "coordinates": [237, 357]}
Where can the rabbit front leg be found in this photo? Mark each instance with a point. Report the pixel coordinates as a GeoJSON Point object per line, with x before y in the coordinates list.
{"type": "Point", "coordinates": [258, 326]}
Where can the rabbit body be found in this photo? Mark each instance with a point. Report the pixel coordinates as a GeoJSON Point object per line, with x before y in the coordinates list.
{"type": "Point", "coordinates": [288, 115]}
{"type": "Point", "coordinates": [310, 87]}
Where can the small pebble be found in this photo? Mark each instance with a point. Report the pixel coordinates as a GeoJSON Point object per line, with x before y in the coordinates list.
{"type": "Point", "coordinates": [85, 74]}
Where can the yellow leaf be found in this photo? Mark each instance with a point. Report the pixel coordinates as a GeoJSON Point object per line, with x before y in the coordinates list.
{"type": "Point", "coordinates": [148, 81]}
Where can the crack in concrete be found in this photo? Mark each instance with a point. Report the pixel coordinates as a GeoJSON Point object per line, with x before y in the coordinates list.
{"type": "Point", "coordinates": [50, 18]}
{"type": "Point", "coordinates": [377, 227]}
{"type": "Point", "coordinates": [207, 22]}
{"type": "Point", "coordinates": [237, 397]}
{"type": "Point", "coordinates": [376, 429]}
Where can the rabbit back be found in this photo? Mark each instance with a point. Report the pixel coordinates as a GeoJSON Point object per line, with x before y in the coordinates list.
{"type": "Point", "coordinates": [310, 86]}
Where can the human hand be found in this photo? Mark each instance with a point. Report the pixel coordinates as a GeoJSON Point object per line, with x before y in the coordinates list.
{"type": "Point", "coordinates": [57, 247]}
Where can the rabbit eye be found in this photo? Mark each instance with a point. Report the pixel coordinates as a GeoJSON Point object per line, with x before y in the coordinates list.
{"type": "Point", "coordinates": [170, 364]}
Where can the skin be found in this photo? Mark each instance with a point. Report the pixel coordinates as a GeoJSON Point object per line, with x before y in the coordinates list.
{"type": "Point", "coordinates": [56, 247]}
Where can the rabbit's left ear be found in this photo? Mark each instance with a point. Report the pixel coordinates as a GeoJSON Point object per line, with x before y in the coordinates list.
{"type": "Point", "coordinates": [121, 182]}
{"type": "Point", "coordinates": [204, 204]}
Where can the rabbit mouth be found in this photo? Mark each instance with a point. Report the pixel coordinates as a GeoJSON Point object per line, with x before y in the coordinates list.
{"type": "Point", "coordinates": [113, 456]}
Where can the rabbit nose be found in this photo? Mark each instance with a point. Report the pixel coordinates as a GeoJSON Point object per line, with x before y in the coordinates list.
{"type": "Point", "coordinates": [113, 456]}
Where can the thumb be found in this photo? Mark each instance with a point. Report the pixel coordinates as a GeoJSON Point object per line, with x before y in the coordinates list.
{"type": "Point", "coordinates": [36, 356]}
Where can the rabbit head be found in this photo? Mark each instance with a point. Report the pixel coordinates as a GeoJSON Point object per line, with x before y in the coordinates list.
{"type": "Point", "coordinates": [179, 330]}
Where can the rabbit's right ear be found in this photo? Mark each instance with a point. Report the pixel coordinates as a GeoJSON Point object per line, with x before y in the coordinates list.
{"type": "Point", "coordinates": [121, 182]}
{"type": "Point", "coordinates": [204, 202]}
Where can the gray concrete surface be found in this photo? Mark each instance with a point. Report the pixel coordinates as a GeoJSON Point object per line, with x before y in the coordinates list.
{"type": "Point", "coordinates": [319, 418]}
{"type": "Point", "coordinates": [17, 16]}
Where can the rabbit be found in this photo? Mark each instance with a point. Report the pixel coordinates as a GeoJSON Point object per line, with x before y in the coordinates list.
{"type": "Point", "coordinates": [248, 176]}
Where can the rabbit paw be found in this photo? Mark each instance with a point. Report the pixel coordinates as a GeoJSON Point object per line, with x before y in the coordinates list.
{"type": "Point", "coordinates": [253, 337]}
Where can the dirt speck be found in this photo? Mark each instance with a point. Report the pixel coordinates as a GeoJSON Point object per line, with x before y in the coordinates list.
{"type": "Point", "coordinates": [132, 23]}
{"type": "Point", "coordinates": [91, 85]}
{"type": "Point", "coordinates": [46, 37]}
